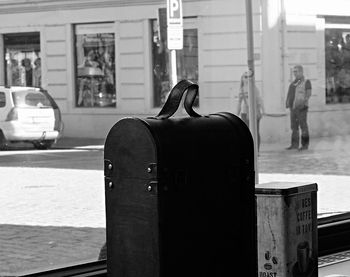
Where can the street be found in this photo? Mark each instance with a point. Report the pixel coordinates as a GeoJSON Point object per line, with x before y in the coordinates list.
{"type": "Point", "coordinates": [65, 158]}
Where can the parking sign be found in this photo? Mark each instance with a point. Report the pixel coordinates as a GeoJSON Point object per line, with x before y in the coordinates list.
{"type": "Point", "coordinates": [174, 8]}
{"type": "Point", "coordinates": [175, 25]}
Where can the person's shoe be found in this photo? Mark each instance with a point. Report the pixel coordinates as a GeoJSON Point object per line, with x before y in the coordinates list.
{"type": "Point", "coordinates": [303, 148]}
{"type": "Point", "coordinates": [292, 147]}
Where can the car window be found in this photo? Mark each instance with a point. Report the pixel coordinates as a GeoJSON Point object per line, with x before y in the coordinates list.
{"type": "Point", "coordinates": [30, 99]}
{"type": "Point", "coordinates": [2, 99]}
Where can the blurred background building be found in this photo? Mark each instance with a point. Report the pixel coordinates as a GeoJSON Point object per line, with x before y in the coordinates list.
{"type": "Point", "coordinates": [104, 60]}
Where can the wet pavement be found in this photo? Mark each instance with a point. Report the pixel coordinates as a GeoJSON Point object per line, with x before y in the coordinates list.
{"type": "Point", "coordinates": [56, 231]}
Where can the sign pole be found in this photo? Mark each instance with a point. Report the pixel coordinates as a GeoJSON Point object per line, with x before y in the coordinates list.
{"type": "Point", "coordinates": [174, 34]}
{"type": "Point", "coordinates": [173, 68]}
{"type": "Point", "coordinates": [251, 85]}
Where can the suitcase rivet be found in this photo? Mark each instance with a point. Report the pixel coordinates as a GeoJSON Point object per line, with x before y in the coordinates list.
{"type": "Point", "coordinates": [110, 166]}
{"type": "Point", "coordinates": [149, 170]}
{"type": "Point", "coordinates": [149, 188]}
{"type": "Point", "coordinates": [110, 184]}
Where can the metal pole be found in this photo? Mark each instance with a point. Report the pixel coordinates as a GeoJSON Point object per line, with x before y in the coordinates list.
{"type": "Point", "coordinates": [251, 84]}
{"type": "Point", "coordinates": [2, 62]}
{"type": "Point", "coordinates": [173, 68]}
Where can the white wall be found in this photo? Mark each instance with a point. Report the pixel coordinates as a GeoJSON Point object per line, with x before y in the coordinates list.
{"type": "Point", "coordinates": [284, 35]}
{"type": "Point", "coordinates": [222, 55]}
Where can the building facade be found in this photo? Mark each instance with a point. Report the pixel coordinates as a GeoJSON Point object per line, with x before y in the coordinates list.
{"type": "Point", "coordinates": [104, 60]}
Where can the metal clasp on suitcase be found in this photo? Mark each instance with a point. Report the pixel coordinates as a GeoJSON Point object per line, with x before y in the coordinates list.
{"type": "Point", "coordinates": [152, 187]}
{"type": "Point", "coordinates": [108, 168]}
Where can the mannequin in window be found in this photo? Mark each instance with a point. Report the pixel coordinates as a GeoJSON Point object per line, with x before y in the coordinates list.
{"type": "Point", "coordinates": [88, 85]}
{"type": "Point", "coordinates": [37, 73]}
{"type": "Point", "coordinates": [90, 60]}
{"type": "Point", "coordinates": [13, 73]}
{"type": "Point", "coordinates": [28, 72]}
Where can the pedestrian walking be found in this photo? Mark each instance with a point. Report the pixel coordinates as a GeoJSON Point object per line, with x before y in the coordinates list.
{"type": "Point", "coordinates": [243, 104]}
{"type": "Point", "coordinates": [297, 101]}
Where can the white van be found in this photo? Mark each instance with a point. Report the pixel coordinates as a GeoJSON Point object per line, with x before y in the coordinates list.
{"type": "Point", "coordinates": [28, 115]}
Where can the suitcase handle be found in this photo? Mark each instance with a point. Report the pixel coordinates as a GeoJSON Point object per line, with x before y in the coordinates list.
{"type": "Point", "coordinates": [174, 99]}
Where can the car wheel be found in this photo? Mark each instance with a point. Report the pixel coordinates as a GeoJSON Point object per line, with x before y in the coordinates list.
{"type": "Point", "coordinates": [3, 141]}
{"type": "Point", "coordinates": [42, 145]}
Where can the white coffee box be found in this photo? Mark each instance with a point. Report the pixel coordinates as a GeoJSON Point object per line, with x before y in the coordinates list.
{"type": "Point", "coordinates": [287, 229]}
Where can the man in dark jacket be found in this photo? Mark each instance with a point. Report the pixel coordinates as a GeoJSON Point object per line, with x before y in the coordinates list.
{"type": "Point", "coordinates": [297, 101]}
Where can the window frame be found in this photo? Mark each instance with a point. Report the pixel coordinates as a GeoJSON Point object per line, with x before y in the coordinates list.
{"type": "Point", "coordinates": [333, 236]}
{"type": "Point", "coordinates": [96, 268]}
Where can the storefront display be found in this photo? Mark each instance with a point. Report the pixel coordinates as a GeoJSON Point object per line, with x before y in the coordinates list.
{"type": "Point", "coordinates": [95, 72]}
{"type": "Point", "coordinates": [22, 55]}
{"type": "Point", "coordinates": [337, 52]}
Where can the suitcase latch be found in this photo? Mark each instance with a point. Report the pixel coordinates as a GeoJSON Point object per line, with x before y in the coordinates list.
{"type": "Point", "coordinates": [152, 187]}
{"type": "Point", "coordinates": [152, 169]}
{"type": "Point", "coordinates": [108, 167]}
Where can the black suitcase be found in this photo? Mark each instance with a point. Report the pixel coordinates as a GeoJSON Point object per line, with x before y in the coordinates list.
{"type": "Point", "coordinates": [180, 194]}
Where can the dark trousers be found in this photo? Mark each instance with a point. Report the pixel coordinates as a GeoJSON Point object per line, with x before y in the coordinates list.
{"type": "Point", "coordinates": [244, 117]}
{"type": "Point", "coordinates": [298, 119]}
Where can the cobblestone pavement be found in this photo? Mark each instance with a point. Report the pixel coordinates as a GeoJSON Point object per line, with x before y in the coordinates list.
{"type": "Point", "coordinates": [327, 163]}
{"type": "Point", "coordinates": [26, 247]}
{"type": "Point", "coordinates": [329, 155]}
{"type": "Point", "coordinates": [63, 221]}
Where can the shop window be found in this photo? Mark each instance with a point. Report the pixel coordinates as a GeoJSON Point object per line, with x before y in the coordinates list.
{"type": "Point", "coordinates": [23, 62]}
{"type": "Point", "coordinates": [95, 65]}
{"type": "Point", "coordinates": [337, 52]}
{"type": "Point", "coordinates": [186, 60]}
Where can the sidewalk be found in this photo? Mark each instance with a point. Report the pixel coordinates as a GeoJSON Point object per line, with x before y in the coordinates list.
{"type": "Point", "coordinates": [326, 163]}
{"type": "Point", "coordinates": [326, 155]}
{"type": "Point", "coordinates": [74, 142]}
{"type": "Point", "coordinates": [335, 143]}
